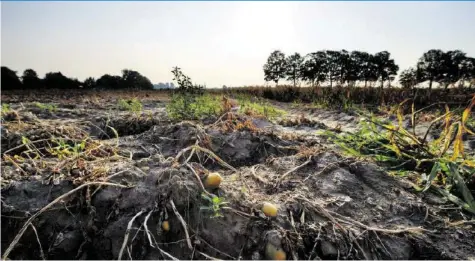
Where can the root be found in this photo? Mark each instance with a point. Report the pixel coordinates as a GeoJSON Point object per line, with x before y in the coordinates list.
{"type": "Point", "coordinates": [198, 178]}
{"type": "Point", "coordinates": [335, 217]}
{"type": "Point", "coordinates": [42, 254]}
{"type": "Point", "coordinates": [416, 230]}
{"type": "Point", "coordinates": [188, 241]}
{"type": "Point", "coordinates": [207, 256]}
{"type": "Point", "coordinates": [58, 199]}
{"type": "Point", "coordinates": [127, 232]}
{"type": "Point", "coordinates": [322, 210]}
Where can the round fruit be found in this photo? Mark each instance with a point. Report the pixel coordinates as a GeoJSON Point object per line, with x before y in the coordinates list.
{"type": "Point", "coordinates": [213, 180]}
{"type": "Point", "coordinates": [280, 255]}
{"type": "Point", "coordinates": [165, 225]}
{"type": "Point", "coordinates": [269, 209]}
{"type": "Point", "coordinates": [275, 253]}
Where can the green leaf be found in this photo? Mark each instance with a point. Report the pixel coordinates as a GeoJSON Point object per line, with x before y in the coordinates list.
{"type": "Point", "coordinates": [24, 140]}
{"type": "Point", "coordinates": [217, 200]}
{"type": "Point", "coordinates": [432, 175]}
{"type": "Point", "coordinates": [203, 195]}
{"type": "Point", "coordinates": [454, 199]}
{"type": "Point", "coordinates": [82, 145]}
{"type": "Point", "coordinates": [462, 187]}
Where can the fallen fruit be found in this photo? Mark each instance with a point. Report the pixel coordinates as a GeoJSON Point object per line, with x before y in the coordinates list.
{"type": "Point", "coordinates": [275, 253]}
{"type": "Point", "coordinates": [213, 180]}
{"type": "Point", "coordinates": [269, 209]}
{"type": "Point", "coordinates": [165, 225]}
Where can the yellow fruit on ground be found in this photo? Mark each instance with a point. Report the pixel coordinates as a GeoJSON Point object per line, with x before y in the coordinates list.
{"type": "Point", "coordinates": [275, 253]}
{"type": "Point", "coordinates": [213, 180]}
{"type": "Point", "coordinates": [165, 225]}
{"type": "Point", "coordinates": [269, 209]}
{"type": "Point", "coordinates": [280, 255]}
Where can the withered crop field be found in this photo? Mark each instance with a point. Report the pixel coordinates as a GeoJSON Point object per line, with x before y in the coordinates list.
{"type": "Point", "coordinates": [125, 175]}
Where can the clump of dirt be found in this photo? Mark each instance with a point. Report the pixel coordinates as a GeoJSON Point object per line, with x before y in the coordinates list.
{"type": "Point", "coordinates": [121, 125]}
{"type": "Point", "coordinates": [301, 121]}
{"type": "Point", "coordinates": [237, 148]}
{"type": "Point", "coordinates": [245, 148]}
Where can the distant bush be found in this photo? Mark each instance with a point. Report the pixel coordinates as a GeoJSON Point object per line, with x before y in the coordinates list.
{"type": "Point", "coordinates": [133, 105]}
{"type": "Point", "coordinates": [343, 97]}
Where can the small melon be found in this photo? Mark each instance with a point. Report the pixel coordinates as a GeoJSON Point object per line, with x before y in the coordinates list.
{"type": "Point", "coordinates": [213, 180]}
{"type": "Point", "coordinates": [275, 253]}
{"type": "Point", "coordinates": [269, 209]}
{"type": "Point", "coordinates": [165, 225]}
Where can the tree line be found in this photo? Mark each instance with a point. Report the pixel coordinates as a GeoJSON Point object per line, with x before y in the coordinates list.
{"type": "Point", "coordinates": [30, 80]}
{"type": "Point", "coordinates": [350, 68]}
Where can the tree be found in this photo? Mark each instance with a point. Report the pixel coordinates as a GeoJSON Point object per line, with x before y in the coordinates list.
{"type": "Point", "coordinates": [344, 67]}
{"type": "Point", "coordinates": [355, 69]}
{"type": "Point", "coordinates": [10, 80]}
{"type": "Point", "coordinates": [431, 65]}
{"type": "Point", "coordinates": [467, 71]}
{"type": "Point", "coordinates": [333, 65]}
{"type": "Point", "coordinates": [89, 83]}
{"type": "Point", "coordinates": [275, 68]}
{"type": "Point", "coordinates": [133, 79]}
{"type": "Point", "coordinates": [385, 67]}
{"type": "Point", "coordinates": [56, 80]}
{"type": "Point", "coordinates": [367, 70]}
{"type": "Point", "coordinates": [107, 81]}
{"type": "Point", "coordinates": [314, 68]}
{"type": "Point", "coordinates": [30, 79]}
{"type": "Point", "coordinates": [451, 67]}
{"type": "Point", "coordinates": [294, 67]}
{"type": "Point", "coordinates": [408, 78]}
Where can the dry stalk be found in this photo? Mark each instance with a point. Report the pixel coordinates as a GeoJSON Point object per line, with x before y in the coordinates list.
{"type": "Point", "coordinates": [323, 211]}
{"type": "Point", "coordinates": [207, 151]}
{"type": "Point", "coordinates": [331, 165]}
{"type": "Point", "coordinates": [22, 145]}
{"type": "Point", "coordinates": [182, 221]}
{"type": "Point", "coordinates": [383, 230]}
{"type": "Point", "coordinates": [292, 170]}
{"type": "Point", "coordinates": [42, 254]}
{"type": "Point", "coordinates": [150, 235]}
{"type": "Point", "coordinates": [207, 256]}
{"type": "Point", "coordinates": [198, 178]}
{"type": "Point", "coordinates": [257, 177]}
{"type": "Point", "coordinates": [127, 232]}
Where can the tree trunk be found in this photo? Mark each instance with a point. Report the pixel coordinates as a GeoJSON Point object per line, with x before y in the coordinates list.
{"type": "Point", "coordinates": [365, 83]}
{"type": "Point", "coordinates": [430, 89]}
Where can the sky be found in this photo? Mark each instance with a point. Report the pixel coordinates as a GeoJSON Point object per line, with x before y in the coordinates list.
{"type": "Point", "coordinates": [219, 43]}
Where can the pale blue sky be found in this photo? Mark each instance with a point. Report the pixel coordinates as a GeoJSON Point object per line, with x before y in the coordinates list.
{"type": "Point", "coordinates": [219, 43]}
